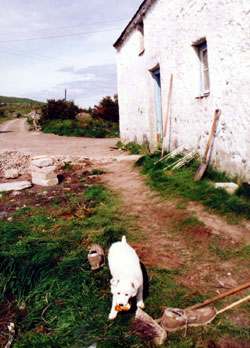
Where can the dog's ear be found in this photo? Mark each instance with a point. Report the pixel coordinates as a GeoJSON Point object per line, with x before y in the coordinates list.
{"type": "Point", "coordinates": [114, 282]}
{"type": "Point", "coordinates": [134, 285]}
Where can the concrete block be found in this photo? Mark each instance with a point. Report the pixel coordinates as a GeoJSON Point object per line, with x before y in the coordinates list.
{"type": "Point", "coordinates": [49, 182]}
{"type": "Point", "coordinates": [42, 162]}
{"type": "Point", "coordinates": [230, 187]}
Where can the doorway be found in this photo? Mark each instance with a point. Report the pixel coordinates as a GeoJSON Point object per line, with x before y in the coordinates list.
{"type": "Point", "coordinates": [158, 113]}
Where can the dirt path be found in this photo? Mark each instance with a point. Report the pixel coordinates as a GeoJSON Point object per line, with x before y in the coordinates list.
{"type": "Point", "coordinates": [14, 136]}
{"type": "Point", "coordinates": [161, 245]}
{"type": "Point", "coordinates": [163, 240]}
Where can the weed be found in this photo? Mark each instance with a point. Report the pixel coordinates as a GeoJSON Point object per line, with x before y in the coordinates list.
{"type": "Point", "coordinates": [57, 201]}
{"type": "Point", "coordinates": [244, 191]}
{"type": "Point", "coordinates": [98, 171]}
{"type": "Point", "coordinates": [67, 166]}
{"type": "Point", "coordinates": [133, 148]}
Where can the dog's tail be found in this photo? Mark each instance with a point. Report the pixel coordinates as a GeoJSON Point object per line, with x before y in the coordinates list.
{"type": "Point", "coordinates": [124, 239]}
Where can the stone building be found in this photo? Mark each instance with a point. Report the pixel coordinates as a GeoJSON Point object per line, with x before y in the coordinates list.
{"type": "Point", "coordinates": [205, 45]}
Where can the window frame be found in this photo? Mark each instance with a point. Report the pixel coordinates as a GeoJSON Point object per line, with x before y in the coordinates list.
{"type": "Point", "coordinates": [204, 69]}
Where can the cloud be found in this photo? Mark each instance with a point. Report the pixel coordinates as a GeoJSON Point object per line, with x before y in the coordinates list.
{"type": "Point", "coordinates": [43, 68]}
{"type": "Point", "coordinates": [67, 69]}
{"type": "Point", "coordinates": [96, 80]}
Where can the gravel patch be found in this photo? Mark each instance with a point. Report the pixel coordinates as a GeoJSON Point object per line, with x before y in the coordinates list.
{"type": "Point", "coordinates": [16, 160]}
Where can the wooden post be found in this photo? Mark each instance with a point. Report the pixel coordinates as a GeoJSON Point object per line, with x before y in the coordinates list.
{"type": "Point", "coordinates": [166, 122]}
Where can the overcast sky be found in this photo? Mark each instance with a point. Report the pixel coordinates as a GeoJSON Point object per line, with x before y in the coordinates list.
{"type": "Point", "coordinates": [47, 46]}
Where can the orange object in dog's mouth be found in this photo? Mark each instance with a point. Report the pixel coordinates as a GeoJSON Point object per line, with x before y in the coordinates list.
{"type": "Point", "coordinates": [119, 308]}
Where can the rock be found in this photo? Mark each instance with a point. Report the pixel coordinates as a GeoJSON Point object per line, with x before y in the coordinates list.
{"type": "Point", "coordinates": [230, 187]}
{"type": "Point", "coordinates": [43, 170]}
{"type": "Point", "coordinates": [83, 115]}
{"type": "Point", "coordinates": [42, 161]}
{"type": "Point", "coordinates": [34, 115]}
{"type": "Point", "coordinates": [11, 173]}
{"type": "Point", "coordinates": [43, 176]}
{"type": "Point", "coordinates": [15, 186]}
{"type": "Point", "coordinates": [15, 193]}
{"type": "Point", "coordinates": [41, 182]}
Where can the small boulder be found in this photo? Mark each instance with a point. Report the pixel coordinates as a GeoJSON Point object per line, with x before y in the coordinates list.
{"type": "Point", "coordinates": [230, 187]}
{"type": "Point", "coordinates": [42, 162]}
{"type": "Point", "coordinates": [11, 173]}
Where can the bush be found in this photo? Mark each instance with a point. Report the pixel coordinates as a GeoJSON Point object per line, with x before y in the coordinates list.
{"type": "Point", "coordinates": [1, 113]}
{"type": "Point", "coordinates": [59, 109]}
{"type": "Point", "coordinates": [107, 109]}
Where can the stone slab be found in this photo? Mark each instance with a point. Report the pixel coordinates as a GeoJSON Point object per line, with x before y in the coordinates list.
{"type": "Point", "coordinates": [15, 186]}
{"type": "Point", "coordinates": [49, 182]}
{"type": "Point", "coordinates": [44, 170]}
{"type": "Point", "coordinates": [42, 162]}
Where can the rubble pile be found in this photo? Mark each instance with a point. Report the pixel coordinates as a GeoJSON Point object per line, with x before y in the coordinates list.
{"type": "Point", "coordinates": [14, 160]}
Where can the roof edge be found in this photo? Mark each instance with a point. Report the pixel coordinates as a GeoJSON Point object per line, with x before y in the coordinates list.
{"type": "Point", "coordinates": [136, 19]}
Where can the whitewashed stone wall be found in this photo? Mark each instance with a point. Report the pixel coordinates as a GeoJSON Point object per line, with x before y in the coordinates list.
{"type": "Point", "coordinates": [170, 29]}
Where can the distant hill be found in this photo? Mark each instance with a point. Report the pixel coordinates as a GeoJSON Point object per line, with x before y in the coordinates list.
{"type": "Point", "coordinates": [9, 100]}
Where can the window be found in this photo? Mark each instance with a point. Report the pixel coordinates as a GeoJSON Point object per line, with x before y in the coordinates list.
{"type": "Point", "coordinates": [204, 71]}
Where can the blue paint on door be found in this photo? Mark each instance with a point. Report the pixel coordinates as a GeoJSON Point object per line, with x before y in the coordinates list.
{"type": "Point", "coordinates": [158, 114]}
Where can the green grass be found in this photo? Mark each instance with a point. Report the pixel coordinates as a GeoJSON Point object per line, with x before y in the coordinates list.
{"type": "Point", "coordinates": [133, 148]}
{"type": "Point", "coordinates": [7, 111]}
{"type": "Point", "coordinates": [10, 100]}
{"type": "Point", "coordinates": [242, 253]}
{"type": "Point", "coordinates": [82, 128]}
{"type": "Point", "coordinates": [179, 183]}
{"type": "Point", "coordinates": [44, 268]}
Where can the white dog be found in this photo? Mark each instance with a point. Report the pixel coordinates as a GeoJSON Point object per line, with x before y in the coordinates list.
{"type": "Point", "coordinates": [127, 281]}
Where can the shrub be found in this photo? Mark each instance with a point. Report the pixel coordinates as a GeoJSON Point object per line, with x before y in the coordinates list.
{"type": "Point", "coordinates": [59, 109]}
{"type": "Point", "coordinates": [107, 109]}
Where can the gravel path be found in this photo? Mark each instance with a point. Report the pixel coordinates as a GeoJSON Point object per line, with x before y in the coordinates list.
{"type": "Point", "coordinates": [14, 136]}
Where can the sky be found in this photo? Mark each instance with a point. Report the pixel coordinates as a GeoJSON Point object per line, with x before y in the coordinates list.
{"type": "Point", "coordinates": [47, 46]}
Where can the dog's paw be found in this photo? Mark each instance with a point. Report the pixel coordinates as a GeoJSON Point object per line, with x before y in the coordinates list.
{"type": "Point", "coordinates": [112, 315]}
{"type": "Point", "coordinates": [140, 304]}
